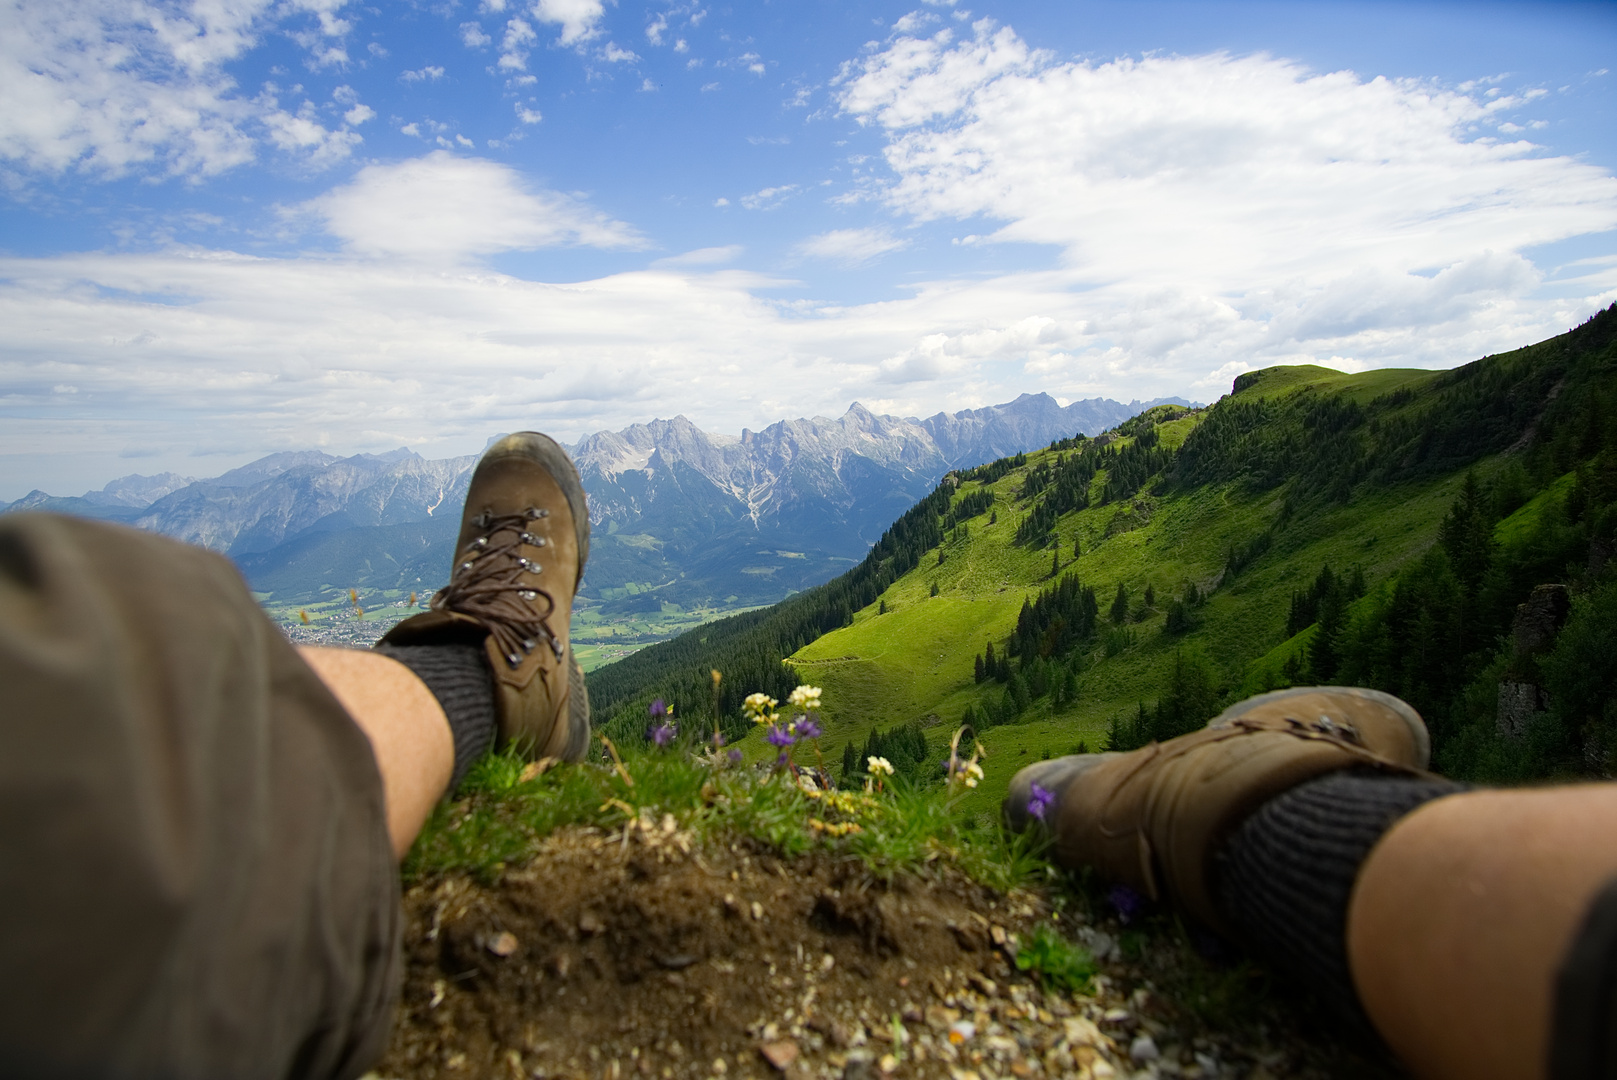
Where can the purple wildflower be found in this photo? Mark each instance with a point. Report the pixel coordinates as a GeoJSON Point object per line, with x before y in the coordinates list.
{"type": "Point", "coordinates": [659, 709]}
{"type": "Point", "coordinates": [735, 755]}
{"type": "Point", "coordinates": [1126, 902]}
{"type": "Point", "coordinates": [664, 733]}
{"type": "Point", "coordinates": [778, 736]}
{"type": "Point", "coordinates": [781, 761]}
{"type": "Point", "coordinates": [718, 739]}
{"type": "Point", "coordinates": [806, 728]}
{"type": "Point", "coordinates": [1040, 802]}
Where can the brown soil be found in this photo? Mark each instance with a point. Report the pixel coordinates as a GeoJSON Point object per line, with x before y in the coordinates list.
{"type": "Point", "coordinates": [640, 954]}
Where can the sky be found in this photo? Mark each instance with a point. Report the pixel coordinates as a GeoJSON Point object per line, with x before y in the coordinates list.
{"type": "Point", "coordinates": [233, 227]}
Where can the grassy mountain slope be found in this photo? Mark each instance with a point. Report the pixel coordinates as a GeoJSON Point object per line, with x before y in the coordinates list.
{"type": "Point", "coordinates": [1446, 495]}
{"type": "Point", "coordinates": [917, 658]}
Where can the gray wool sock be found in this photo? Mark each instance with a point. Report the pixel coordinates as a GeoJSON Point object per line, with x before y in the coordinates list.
{"type": "Point", "coordinates": [458, 676]}
{"type": "Point", "coordinates": [1286, 874]}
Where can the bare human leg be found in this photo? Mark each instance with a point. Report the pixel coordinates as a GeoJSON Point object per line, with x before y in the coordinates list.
{"type": "Point", "coordinates": [1461, 919]}
{"type": "Point", "coordinates": [408, 731]}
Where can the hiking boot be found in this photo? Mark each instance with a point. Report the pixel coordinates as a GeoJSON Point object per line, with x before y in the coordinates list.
{"type": "Point", "coordinates": [1152, 818]}
{"type": "Point", "coordinates": [524, 537]}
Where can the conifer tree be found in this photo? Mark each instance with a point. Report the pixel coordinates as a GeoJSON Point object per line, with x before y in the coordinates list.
{"type": "Point", "coordinates": [1120, 605]}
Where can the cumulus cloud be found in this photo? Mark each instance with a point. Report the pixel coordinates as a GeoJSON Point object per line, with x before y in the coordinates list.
{"type": "Point", "coordinates": [431, 73]}
{"type": "Point", "coordinates": [110, 88]}
{"type": "Point", "coordinates": [851, 247]}
{"type": "Point", "coordinates": [1214, 172]}
{"type": "Point", "coordinates": [579, 19]}
{"type": "Point", "coordinates": [445, 208]}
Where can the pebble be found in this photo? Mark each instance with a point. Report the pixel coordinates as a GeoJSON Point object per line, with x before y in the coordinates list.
{"type": "Point", "coordinates": [502, 944]}
{"type": "Point", "coordinates": [1143, 1050]}
{"type": "Point", "coordinates": [780, 1054]}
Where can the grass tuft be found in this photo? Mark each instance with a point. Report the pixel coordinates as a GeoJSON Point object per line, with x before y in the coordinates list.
{"type": "Point", "coordinates": [498, 818]}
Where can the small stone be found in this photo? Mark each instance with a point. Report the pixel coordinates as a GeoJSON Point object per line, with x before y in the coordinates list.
{"type": "Point", "coordinates": [757, 911]}
{"type": "Point", "coordinates": [1143, 1050]}
{"type": "Point", "coordinates": [1021, 1069]}
{"type": "Point", "coordinates": [939, 1018]}
{"type": "Point", "coordinates": [1082, 1032]}
{"type": "Point", "coordinates": [720, 1066]}
{"type": "Point", "coordinates": [889, 1063]}
{"type": "Point", "coordinates": [962, 1031]}
{"type": "Point", "coordinates": [911, 1013]}
{"type": "Point", "coordinates": [858, 1066]}
{"type": "Point", "coordinates": [590, 924]}
{"type": "Point", "coordinates": [983, 983]}
{"type": "Point", "coordinates": [997, 935]}
{"type": "Point", "coordinates": [1116, 1016]}
{"type": "Point", "coordinates": [502, 944]}
{"type": "Point", "coordinates": [780, 1055]}
{"type": "Point", "coordinates": [1101, 1069]}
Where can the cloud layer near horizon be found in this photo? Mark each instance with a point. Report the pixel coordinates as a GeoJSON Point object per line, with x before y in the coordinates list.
{"type": "Point", "coordinates": [1212, 214]}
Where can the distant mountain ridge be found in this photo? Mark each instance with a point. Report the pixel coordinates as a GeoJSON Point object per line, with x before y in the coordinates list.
{"type": "Point", "coordinates": [683, 515]}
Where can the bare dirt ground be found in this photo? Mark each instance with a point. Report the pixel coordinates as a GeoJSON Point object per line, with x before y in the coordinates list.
{"type": "Point", "coordinates": [640, 953]}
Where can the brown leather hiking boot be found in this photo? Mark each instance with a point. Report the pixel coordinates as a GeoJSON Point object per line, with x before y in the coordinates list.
{"type": "Point", "coordinates": [1153, 818]}
{"type": "Point", "coordinates": [524, 537]}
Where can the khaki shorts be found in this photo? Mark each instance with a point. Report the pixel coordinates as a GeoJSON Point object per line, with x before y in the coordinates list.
{"type": "Point", "coordinates": [195, 873]}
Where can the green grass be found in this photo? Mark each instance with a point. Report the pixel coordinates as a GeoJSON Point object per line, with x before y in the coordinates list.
{"type": "Point", "coordinates": [915, 660]}
{"type": "Point", "coordinates": [498, 818]}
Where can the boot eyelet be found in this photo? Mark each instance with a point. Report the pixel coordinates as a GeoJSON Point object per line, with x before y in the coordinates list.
{"type": "Point", "coordinates": [480, 542]}
{"type": "Point", "coordinates": [528, 594]}
{"type": "Point", "coordinates": [514, 659]}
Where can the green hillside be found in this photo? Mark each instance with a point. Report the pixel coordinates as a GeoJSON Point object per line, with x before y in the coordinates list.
{"type": "Point", "coordinates": [1180, 562]}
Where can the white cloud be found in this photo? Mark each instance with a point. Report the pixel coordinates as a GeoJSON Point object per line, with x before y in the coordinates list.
{"type": "Point", "coordinates": [111, 88]}
{"type": "Point", "coordinates": [708, 256]}
{"type": "Point", "coordinates": [914, 21]}
{"type": "Point", "coordinates": [472, 36]}
{"type": "Point", "coordinates": [681, 45]}
{"type": "Point", "coordinates": [527, 115]}
{"type": "Point", "coordinates": [1211, 173]}
{"type": "Point", "coordinates": [612, 54]}
{"type": "Point", "coordinates": [578, 19]}
{"type": "Point", "coordinates": [519, 36]}
{"type": "Point", "coordinates": [647, 86]}
{"type": "Point", "coordinates": [721, 201]}
{"type": "Point", "coordinates": [770, 197]}
{"type": "Point", "coordinates": [850, 247]}
{"type": "Point", "coordinates": [656, 28]}
{"type": "Point", "coordinates": [358, 115]}
{"type": "Point", "coordinates": [446, 208]}
{"type": "Point", "coordinates": [426, 74]}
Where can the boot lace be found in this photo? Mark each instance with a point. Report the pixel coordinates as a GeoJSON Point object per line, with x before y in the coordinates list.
{"type": "Point", "coordinates": [487, 585]}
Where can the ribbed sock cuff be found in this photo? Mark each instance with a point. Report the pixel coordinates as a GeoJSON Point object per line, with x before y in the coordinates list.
{"type": "Point", "coordinates": [1284, 878]}
{"type": "Point", "coordinates": [458, 677]}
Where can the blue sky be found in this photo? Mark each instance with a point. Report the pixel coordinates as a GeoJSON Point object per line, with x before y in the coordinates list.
{"type": "Point", "coordinates": [238, 226]}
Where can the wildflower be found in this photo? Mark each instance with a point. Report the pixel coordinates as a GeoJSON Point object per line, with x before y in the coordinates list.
{"type": "Point", "coordinates": [973, 772]}
{"type": "Point", "coordinates": [718, 739]}
{"type": "Point", "coordinates": [804, 727]}
{"type": "Point", "coordinates": [1126, 902]}
{"type": "Point", "coordinates": [759, 705]}
{"type": "Point", "coordinates": [659, 709]}
{"type": "Point", "coordinates": [664, 733]}
{"type": "Point", "coordinates": [1040, 801]}
{"type": "Point", "coordinates": [777, 736]}
{"type": "Point", "coordinates": [879, 766]}
{"type": "Point", "coordinates": [734, 755]}
{"type": "Point", "coordinates": [806, 698]}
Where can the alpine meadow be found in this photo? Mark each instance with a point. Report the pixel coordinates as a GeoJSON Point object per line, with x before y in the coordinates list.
{"type": "Point", "coordinates": [1442, 535]}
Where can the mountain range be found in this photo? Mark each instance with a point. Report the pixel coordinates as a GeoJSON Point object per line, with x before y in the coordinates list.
{"type": "Point", "coordinates": [680, 516]}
